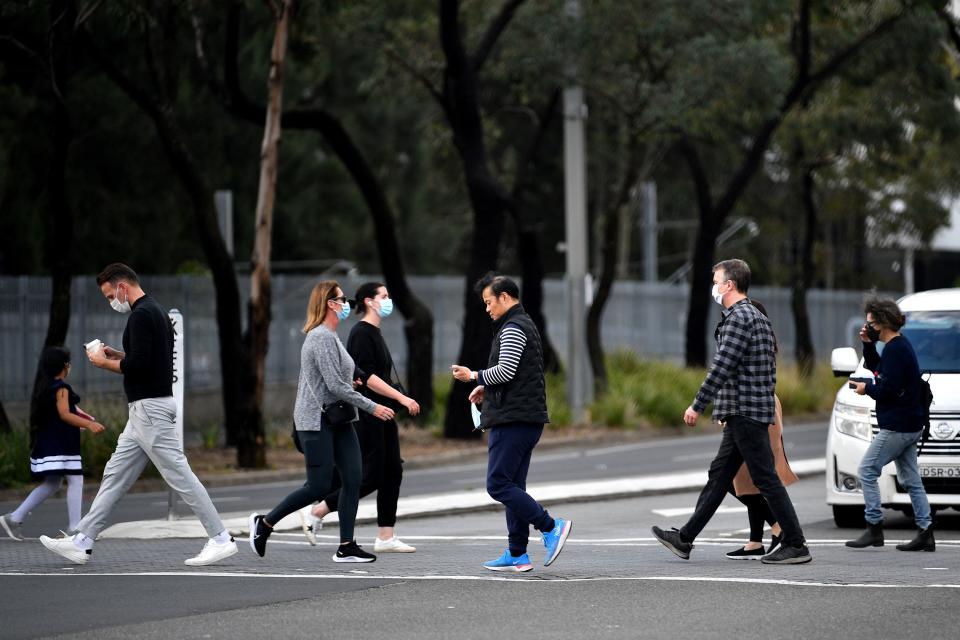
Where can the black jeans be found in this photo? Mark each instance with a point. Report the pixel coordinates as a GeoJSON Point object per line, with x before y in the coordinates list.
{"type": "Point", "coordinates": [322, 450]}
{"type": "Point", "coordinates": [744, 441]}
{"type": "Point", "coordinates": [382, 468]}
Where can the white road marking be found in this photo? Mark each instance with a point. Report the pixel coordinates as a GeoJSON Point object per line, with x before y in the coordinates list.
{"type": "Point", "coordinates": [686, 511]}
{"type": "Point", "coordinates": [483, 578]}
{"type": "Point", "coordinates": [585, 541]}
{"type": "Point", "coordinates": [693, 456]}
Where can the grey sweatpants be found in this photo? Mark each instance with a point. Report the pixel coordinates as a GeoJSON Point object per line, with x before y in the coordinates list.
{"type": "Point", "coordinates": [150, 434]}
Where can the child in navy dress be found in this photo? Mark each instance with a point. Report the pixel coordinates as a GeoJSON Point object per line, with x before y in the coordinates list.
{"type": "Point", "coordinates": [55, 425]}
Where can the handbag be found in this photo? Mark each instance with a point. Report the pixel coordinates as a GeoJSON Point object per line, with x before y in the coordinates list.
{"type": "Point", "coordinates": [339, 413]}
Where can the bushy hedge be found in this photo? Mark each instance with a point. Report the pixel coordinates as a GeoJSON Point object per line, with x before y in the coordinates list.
{"type": "Point", "coordinates": [657, 393]}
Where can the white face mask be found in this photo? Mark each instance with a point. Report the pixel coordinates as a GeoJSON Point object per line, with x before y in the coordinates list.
{"type": "Point", "coordinates": [717, 296]}
{"type": "Point", "coordinates": [120, 307]}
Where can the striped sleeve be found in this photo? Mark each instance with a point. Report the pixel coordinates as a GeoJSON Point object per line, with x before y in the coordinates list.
{"type": "Point", "coordinates": [512, 342]}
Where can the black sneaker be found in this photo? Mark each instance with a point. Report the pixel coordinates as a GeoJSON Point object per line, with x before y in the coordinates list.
{"type": "Point", "coordinates": [352, 552]}
{"type": "Point", "coordinates": [671, 540]}
{"type": "Point", "coordinates": [788, 555]}
{"type": "Point", "coordinates": [746, 554]}
{"type": "Point", "coordinates": [259, 532]}
{"type": "Point", "coordinates": [774, 543]}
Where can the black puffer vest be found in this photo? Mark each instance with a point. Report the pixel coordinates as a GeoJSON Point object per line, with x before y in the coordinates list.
{"type": "Point", "coordinates": [523, 399]}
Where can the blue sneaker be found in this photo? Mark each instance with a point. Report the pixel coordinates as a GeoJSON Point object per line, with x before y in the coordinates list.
{"type": "Point", "coordinates": [553, 540]}
{"type": "Point", "coordinates": [509, 563]}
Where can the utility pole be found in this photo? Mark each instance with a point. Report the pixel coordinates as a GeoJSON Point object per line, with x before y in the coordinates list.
{"type": "Point", "coordinates": [579, 386]}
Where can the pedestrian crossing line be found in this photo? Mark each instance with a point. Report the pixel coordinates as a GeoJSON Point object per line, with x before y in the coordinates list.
{"type": "Point", "coordinates": [644, 541]}
{"type": "Point", "coordinates": [484, 578]}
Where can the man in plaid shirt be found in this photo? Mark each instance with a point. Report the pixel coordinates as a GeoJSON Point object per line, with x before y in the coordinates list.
{"type": "Point", "coordinates": [741, 384]}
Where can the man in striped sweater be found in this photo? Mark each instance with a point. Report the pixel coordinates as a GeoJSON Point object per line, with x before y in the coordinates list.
{"type": "Point", "coordinates": [512, 390]}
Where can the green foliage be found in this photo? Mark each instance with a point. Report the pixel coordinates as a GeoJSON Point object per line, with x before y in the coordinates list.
{"type": "Point", "coordinates": [656, 393]}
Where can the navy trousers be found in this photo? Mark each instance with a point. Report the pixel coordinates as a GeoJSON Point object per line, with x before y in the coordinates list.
{"type": "Point", "coordinates": [510, 447]}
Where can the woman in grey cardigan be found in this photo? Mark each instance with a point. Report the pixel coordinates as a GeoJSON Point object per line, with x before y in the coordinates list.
{"type": "Point", "coordinates": [327, 373]}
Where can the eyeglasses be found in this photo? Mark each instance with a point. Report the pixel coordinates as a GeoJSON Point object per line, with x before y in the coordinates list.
{"type": "Point", "coordinates": [341, 299]}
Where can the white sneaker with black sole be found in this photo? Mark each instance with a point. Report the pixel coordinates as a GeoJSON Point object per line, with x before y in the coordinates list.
{"type": "Point", "coordinates": [352, 552]}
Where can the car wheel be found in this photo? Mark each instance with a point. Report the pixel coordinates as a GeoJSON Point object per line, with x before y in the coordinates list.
{"type": "Point", "coordinates": [848, 517]}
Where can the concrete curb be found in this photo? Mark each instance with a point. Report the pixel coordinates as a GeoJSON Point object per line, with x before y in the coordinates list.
{"type": "Point", "coordinates": [448, 503]}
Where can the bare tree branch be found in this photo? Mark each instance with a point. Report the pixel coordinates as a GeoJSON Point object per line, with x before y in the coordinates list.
{"type": "Point", "coordinates": [416, 73]}
{"type": "Point", "coordinates": [493, 32]}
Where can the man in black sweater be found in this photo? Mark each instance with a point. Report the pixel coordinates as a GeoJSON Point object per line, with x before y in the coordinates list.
{"type": "Point", "coordinates": [146, 364]}
{"type": "Point", "coordinates": [900, 418]}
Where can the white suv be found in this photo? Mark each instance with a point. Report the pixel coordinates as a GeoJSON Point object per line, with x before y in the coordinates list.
{"type": "Point", "coordinates": [933, 327]}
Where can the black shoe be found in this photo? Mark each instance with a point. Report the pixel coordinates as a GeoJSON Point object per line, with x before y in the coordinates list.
{"type": "Point", "coordinates": [788, 555]}
{"type": "Point", "coordinates": [746, 554]}
{"type": "Point", "coordinates": [259, 532]}
{"type": "Point", "coordinates": [671, 540]}
{"type": "Point", "coordinates": [352, 552]}
{"type": "Point", "coordinates": [923, 541]}
{"type": "Point", "coordinates": [774, 542]}
{"type": "Point", "coordinates": [872, 537]}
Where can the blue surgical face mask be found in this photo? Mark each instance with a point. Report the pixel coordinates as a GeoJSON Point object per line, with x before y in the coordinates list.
{"type": "Point", "coordinates": [344, 311]}
{"type": "Point", "coordinates": [386, 307]}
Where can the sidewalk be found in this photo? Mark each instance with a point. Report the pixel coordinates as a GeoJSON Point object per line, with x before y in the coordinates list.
{"type": "Point", "coordinates": [454, 502]}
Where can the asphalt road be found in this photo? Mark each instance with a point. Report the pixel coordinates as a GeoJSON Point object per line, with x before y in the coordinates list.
{"type": "Point", "coordinates": [612, 581]}
{"type": "Point", "coordinates": [666, 455]}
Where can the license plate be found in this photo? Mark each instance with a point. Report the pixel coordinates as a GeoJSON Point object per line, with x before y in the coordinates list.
{"type": "Point", "coordinates": [940, 471]}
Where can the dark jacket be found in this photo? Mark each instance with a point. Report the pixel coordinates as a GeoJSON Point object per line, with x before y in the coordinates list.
{"type": "Point", "coordinates": [524, 398]}
{"type": "Point", "coordinates": [897, 385]}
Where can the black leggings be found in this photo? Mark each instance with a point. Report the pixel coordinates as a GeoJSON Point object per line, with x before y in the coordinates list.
{"type": "Point", "coordinates": [382, 468]}
{"type": "Point", "coordinates": [758, 513]}
{"type": "Point", "coordinates": [322, 450]}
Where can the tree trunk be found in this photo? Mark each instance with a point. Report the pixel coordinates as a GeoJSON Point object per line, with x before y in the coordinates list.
{"type": "Point", "coordinates": [488, 200]}
{"type": "Point", "coordinates": [5, 426]}
{"type": "Point", "coordinates": [251, 449]}
{"type": "Point", "coordinates": [804, 273]}
{"type": "Point", "coordinates": [713, 216]}
{"type": "Point", "coordinates": [59, 228]}
{"type": "Point", "coordinates": [233, 358]}
{"type": "Point", "coordinates": [418, 325]}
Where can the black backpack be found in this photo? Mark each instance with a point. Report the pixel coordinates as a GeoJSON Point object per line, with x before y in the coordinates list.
{"type": "Point", "coordinates": [926, 401]}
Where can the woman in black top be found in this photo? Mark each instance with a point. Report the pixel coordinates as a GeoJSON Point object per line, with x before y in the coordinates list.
{"type": "Point", "coordinates": [379, 440]}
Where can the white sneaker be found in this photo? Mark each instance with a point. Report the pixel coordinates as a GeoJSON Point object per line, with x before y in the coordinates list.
{"type": "Point", "coordinates": [393, 545]}
{"type": "Point", "coordinates": [10, 527]}
{"type": "Point", "coordinates": [65, 548]}
{"type": "Point", "coordinates": [212, 552]}
{"type": "Point", "coordinates": [310, 524]}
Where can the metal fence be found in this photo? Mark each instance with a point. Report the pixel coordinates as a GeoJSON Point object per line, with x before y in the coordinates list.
{"type": "Point", "coordinates": [642, 317]}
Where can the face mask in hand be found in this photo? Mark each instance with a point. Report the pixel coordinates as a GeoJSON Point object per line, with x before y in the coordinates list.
{"type": "Point", "coordinates": [717, 296]}
{"type": "Point", "coordinates": [386, 307]}
{"type": "Point", "coordinates": [344, 312]}
{"type": "Point", "coordinates": [120, 307]}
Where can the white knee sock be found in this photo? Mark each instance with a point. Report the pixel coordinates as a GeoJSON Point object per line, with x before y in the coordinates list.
{"type": "Point", "coordinates": [43, 491]}
{"type": "Point", "coordinates": [74, 501]}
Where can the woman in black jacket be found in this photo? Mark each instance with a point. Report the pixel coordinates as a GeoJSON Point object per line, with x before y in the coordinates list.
{"type": "Point", "coordinates": [379, 440]}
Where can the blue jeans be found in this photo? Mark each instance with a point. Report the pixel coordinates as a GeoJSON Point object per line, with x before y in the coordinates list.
{"type": "Point", "coordinates": [893, 446]}
{"type": "Point", "coordinates": [510, 447]}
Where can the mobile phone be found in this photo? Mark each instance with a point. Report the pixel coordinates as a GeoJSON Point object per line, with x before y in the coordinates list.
{"type": "Point", "coordinates": [852, 385]}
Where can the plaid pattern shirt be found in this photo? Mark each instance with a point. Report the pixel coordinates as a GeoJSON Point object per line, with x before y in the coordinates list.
{"type": "Point", "coordinates": [743, 376]}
